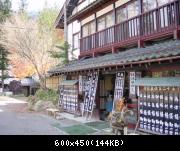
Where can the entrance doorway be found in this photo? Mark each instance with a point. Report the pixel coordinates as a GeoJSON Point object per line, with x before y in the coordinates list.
{"type": "Point", "coordinates": [106, 95]}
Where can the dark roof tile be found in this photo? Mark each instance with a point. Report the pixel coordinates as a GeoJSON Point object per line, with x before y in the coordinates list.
{"type": "Point", "coordinates": [161, 50]}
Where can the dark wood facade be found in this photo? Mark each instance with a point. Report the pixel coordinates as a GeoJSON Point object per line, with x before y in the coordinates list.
{"type": "Point", "coordinates": [162, 22]}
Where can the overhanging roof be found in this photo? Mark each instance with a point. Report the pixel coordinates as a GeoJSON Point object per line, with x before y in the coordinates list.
{"type": "Point", "coordinates": [162, 82]}
{"type": "Point", "coordinates": [29, 82]}
{"type": "Point", "coordinates": [168, 49]}
{"type": "Point", "coordinates": [69, 82]}
{"type": "Point", "coordinates": [71, 4]}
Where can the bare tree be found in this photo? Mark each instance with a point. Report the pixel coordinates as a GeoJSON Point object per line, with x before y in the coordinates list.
{"type": "Point", "coordinates": [24, 37]}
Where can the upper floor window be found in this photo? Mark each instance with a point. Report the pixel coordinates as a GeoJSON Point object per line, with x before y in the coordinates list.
{"type": "Point", "coordinates": [105, 21]}
{"type": "Point", "coordinates": [128, 11]}
{"type": "Point", "coordinates": [76, 41]}
{"type": "Point", "coordinates": [89, 29]}
{"type": "Point", "coordinates": [133, 9]}
{"type": "Point", "coordinates": [152, 4]}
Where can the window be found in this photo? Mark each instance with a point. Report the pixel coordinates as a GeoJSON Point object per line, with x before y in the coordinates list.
{"type": "Point", "coordinates": [109, 20]}
{"type": "Point", "coordinates": [133, 9]}
{"type": "Point", "coordinates": [76, 41]}
{"type": "Point", "coordinates": [85, 30]}
{"type": "Point", "coordinates": [105, 21]}
{"type": "Point", "coordinates": [129, 11]}
{"type": "Point", "coordinates": [149, 5]}
{"type": "Point", "coordinates": [101, 23]}
{"type": "Point", "coordinates": [152, 4]}
{"type": "Point", "coordinates": [121, 15]}
{"type": "Point", "coordinates": [89, 29]}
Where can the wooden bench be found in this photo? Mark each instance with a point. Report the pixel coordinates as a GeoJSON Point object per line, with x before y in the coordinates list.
{"type": "Point", "coordinates": [52, 111]}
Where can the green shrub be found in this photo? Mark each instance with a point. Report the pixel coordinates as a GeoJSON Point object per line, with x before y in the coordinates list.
{"type": "Point", "coordinates": [47, 95]}
{"type": "Point", "coordinates": [31, 102]}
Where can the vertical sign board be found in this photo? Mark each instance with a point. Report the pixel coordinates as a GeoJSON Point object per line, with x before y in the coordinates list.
{"type": "Point", "coordinates": [161, 108]}
{"type": "Point", "coordinates": [90, 91]}
{"type": "Point", "coordinates": [176, 112]}
{"type": "Point", "coordinates": [133, 77]}
{"type": "Point", "coordinates": [149, 108]}
{"type": "Point", "coordinates": [82, 82]}
{"type": "Point", "coordinates": [141, 100]}
{"type": "Point", "coordinates": [166, 113]}
{"type": "Point", "coordinates": [119, 87]}
{"type": "Point", "coordinates": [171, 113]}
{"type": "Point", "coordinates": [157, 109]}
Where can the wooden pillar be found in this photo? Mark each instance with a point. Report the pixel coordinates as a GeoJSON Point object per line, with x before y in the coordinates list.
{"type": "Point", "coordinates": [113, 50]}
{"type": "Point", "coordinates": [140, 44]}
{"type": "Point", "coordinates": [93, 54]}
{"type": "Point", "coordinates": [176, 34]}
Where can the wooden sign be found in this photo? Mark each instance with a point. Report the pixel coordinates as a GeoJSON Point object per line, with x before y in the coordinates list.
{"type": "Point", "coordinates": [82, 82]}
{"type": "Point", "coordinates": [133, 77]}
{"type": "Point", "coordinates": [90, 91]}
{"type": "Point", "coordinates": [119, 87]}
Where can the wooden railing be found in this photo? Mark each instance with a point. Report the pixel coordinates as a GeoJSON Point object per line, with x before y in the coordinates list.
{"type": "Point", "coordinates": [155, 22]}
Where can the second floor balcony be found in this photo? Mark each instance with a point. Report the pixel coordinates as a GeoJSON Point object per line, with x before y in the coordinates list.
{"type": "Point", "coordinates": [157, 23]}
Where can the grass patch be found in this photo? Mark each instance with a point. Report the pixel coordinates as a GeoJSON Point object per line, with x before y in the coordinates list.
{"type": "Point", "coordinates": [78, 130]}
{"type": "Point", "coordinates": [98, 125]}
{"type": "Point", "coordinates": [57, 125]}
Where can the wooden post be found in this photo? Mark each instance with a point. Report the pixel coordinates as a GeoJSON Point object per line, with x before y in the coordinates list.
{"type": "Point", "coordinates": [65, 21]}
{"type": "Point", "coordinates": [94, 55]}
{"type": "Point", "coordinates": [140, 44]}
{"type": "Point", "coordinates": [113, 50]}
{"type": "Point", "coordinates": [176, 34]}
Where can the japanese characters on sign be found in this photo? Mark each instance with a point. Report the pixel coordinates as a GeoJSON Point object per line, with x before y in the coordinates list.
{"type": "Point", "coordinates": [90, 91]}
{"type": "Point", "coordinates": [133, 77]}
{"type": "Point", "coordinates": [119, 86]}
{"type": "Point", "coordinates": [159, 110]}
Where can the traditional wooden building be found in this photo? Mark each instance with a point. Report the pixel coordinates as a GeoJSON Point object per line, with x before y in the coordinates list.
{"type": "Point", "coordinates": [126, 48]}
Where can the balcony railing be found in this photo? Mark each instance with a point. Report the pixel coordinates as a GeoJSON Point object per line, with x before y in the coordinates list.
{"type": "Point", "coordinates": [157, 22]}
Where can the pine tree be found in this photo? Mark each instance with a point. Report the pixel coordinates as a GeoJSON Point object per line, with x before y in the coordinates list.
{"type": "Point", "coordinates": [5, 6]}
{"type": "Point", "coordinates": [23, 5]}
{"type": "Point", "coordinates": [3, 64]}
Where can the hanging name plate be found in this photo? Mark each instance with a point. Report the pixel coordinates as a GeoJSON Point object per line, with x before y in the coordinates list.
{"type": "Point", "coordinates": [133, 77]}
{"type": "Point", "coordinates": [119, 86]}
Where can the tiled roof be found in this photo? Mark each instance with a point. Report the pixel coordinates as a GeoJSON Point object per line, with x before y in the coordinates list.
{"type": "Point", "coordinates": [69, 82]}
{"type": "Point", "coordinates": [71, 4]}
{"type": "Point", "coordinates": [170, 82]}
{"type": "Point", "coordinates": [156, 51]}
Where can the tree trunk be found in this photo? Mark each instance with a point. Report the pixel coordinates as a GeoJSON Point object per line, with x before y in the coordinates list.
{"type": "Point", "coordinates": [42, 82]}
{"type": "Point", "coordinates": [2, 80]}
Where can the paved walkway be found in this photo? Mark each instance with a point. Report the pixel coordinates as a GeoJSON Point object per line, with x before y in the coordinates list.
{"type": "Point", "coordinates": [16, 120]}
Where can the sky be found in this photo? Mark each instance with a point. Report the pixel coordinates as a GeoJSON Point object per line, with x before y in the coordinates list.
{"type": "Point", "coordinates": [37, 5]}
